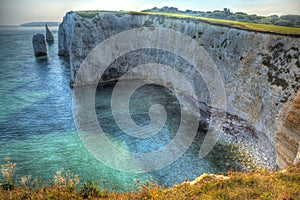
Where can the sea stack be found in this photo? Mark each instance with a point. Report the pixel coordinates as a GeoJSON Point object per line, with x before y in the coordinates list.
{"type": "Point", "coordinates": [49, 36]}
{"type": "Point", "coordinates": [39, 45]}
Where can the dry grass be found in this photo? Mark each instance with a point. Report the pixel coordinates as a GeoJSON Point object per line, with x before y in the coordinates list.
{"type": "Point", "coordinates": [255, 185]}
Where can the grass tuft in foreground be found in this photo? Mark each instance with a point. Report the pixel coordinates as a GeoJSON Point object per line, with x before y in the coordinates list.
{"type": "Point", "coordinates": [254, 185]}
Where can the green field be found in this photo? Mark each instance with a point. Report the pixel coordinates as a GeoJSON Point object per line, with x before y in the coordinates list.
{"type": "Point", "coordinates": [228, 23]}
{"type": "Point", "coordinates": [282, 30]}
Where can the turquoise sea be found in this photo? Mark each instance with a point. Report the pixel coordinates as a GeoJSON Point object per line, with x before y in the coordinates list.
{"type": "Point", "coordinates": [37, 130]}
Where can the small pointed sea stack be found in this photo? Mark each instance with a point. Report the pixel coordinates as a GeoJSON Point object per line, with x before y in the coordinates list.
{"type": "Point", "coordinates": [49, 36]}
{"type": "Point", "coordinates": [39, 45]}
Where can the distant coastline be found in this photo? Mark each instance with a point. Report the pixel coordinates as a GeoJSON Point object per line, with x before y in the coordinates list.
{"type": "Point", "coordinates": [37, 24]}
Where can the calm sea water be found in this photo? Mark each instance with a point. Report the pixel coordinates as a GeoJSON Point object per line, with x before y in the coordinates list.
{"type": "Point", "coordinates": [37, 130]}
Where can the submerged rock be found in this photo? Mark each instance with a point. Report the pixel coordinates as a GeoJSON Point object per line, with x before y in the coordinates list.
{"type": "Point", "coordinates": [39, 45]}
{"type": "Point", "coordinates": [49, 36]}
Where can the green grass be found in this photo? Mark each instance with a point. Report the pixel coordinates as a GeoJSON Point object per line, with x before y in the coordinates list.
{"type": "Point", "coordinates": [228, 23]}
{"type": "Point", "coordinates": [88, 13]}
{"type": "Point", "coordinates": [282, 30]}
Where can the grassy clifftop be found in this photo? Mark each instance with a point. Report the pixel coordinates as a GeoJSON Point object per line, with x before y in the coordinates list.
{"type": "Point", "coordinates": [282, 30]}
{"type": "Point", "coordinates": [233, 24]}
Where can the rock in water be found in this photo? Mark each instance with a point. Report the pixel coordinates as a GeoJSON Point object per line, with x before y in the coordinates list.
{"type": "Point", "coordinates": [39, 45]}
{"type": "Point", "coordinates": [49, 36]}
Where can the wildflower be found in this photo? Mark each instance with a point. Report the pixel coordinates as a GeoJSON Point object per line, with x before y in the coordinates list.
{"type": "Point", "coordinates": [24, 180]}
{"type": "Point", "coordinates": [71, 183]}
{"type": "Point", "coordinates": [76, 180]}
{"type": "Point", "coordinates": [58, 173]}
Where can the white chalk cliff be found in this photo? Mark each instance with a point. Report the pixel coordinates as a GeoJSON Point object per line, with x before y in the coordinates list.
{"type": "Point", "coordinates": [261, 72]}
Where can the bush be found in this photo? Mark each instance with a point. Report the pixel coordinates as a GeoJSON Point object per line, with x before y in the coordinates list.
{"type": "Point", "coordinates": [283, 22]}
{"type": "Point", "coordinates": [90, 189]}
{"type": "Point", "coordinates": [8, 171]}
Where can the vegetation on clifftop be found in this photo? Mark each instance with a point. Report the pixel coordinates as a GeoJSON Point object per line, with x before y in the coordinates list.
{"type": "Point", "coordinates": [283, 30]}
{"type": "Point", "coordinates": [227, 14]}
{"type": "Point", "coordinates": [235, 185]}
{"type": "Point", "coordinates": [267, 28]}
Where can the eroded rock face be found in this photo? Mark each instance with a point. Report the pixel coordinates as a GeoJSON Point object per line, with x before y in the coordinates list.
{"type": "Point", "coordinates": [39, 45]}
{"type": "Point", "coordinates": [288, 138]}
{"type": "Point", "coordinates": [261, 71]}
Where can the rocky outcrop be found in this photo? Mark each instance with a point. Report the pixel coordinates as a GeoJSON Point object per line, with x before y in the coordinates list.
{"type": "Point", "coordinates": [49, 36]}
{"type": "Point", "coordinates": [39, 45]}
{"type": "Point", "coordinates": [261, 73]}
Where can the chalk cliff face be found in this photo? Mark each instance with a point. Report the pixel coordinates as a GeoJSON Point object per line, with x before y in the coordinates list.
{"type": "Point", "coordinates": [261, 73]}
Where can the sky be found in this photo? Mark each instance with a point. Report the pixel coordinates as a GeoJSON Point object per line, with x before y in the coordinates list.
{"type": "Point", "coordinates": [15, 12]}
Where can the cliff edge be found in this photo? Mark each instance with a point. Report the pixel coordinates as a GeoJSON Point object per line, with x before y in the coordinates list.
{"type": "Point", "coordinates": [261, 73]}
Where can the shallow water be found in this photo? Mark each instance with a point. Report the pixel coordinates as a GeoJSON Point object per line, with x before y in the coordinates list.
{"type": "Point", "coordinates": [37, 130]}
